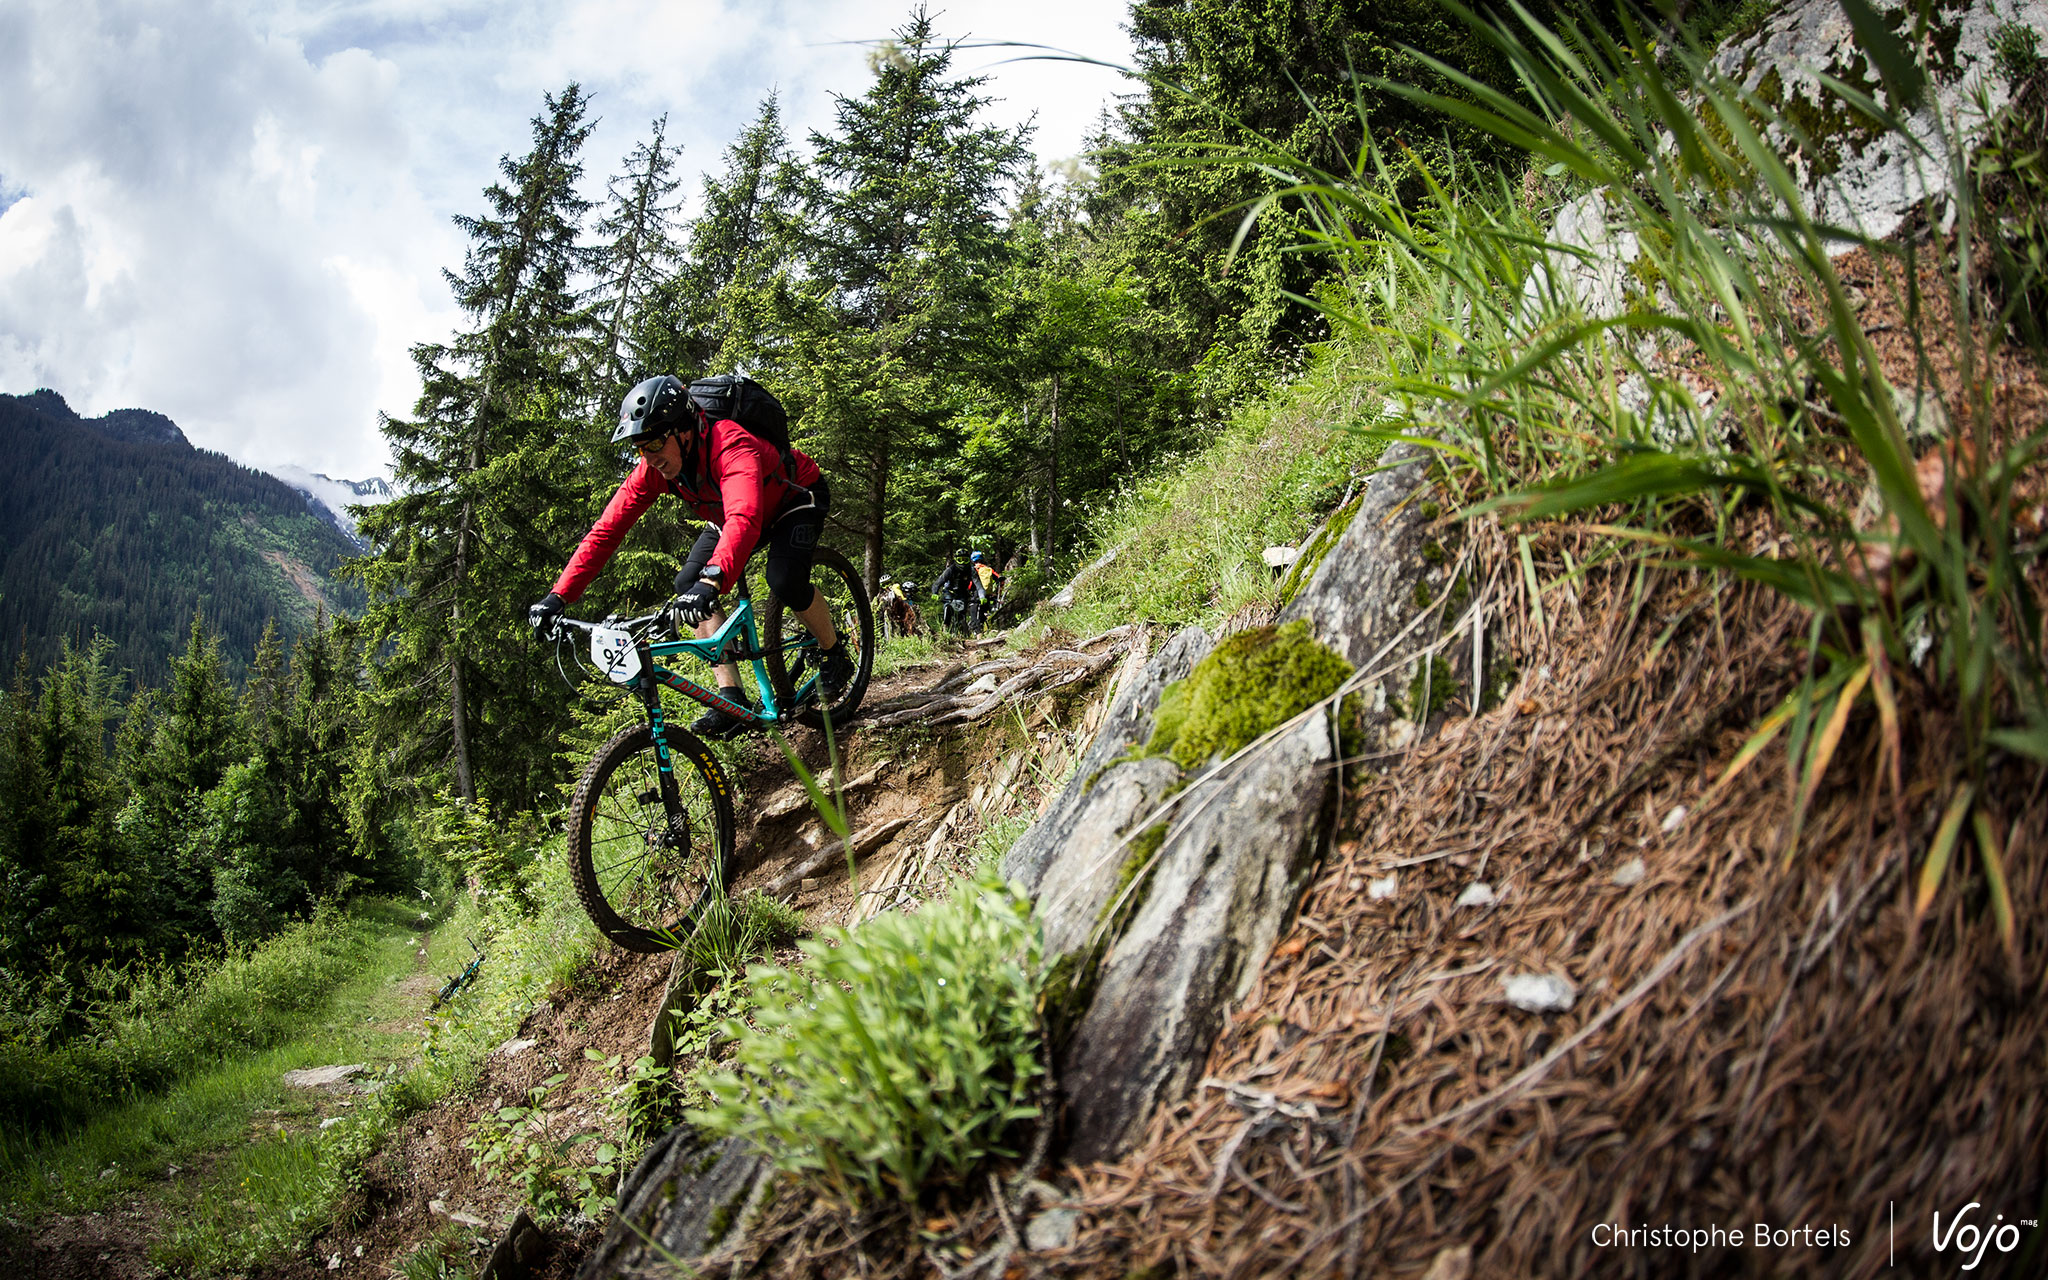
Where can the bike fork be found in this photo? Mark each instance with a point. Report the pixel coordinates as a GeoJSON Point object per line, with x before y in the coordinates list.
{"type": "Point", "coordinates": [650, 698]}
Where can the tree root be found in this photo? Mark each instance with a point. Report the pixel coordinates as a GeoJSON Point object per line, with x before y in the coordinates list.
{"type": "Point", "coordinates": [1027, 676]}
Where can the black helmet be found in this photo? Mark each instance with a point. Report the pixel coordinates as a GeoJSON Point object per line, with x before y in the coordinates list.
{"type": "Point", "coordinates": [655, 408]}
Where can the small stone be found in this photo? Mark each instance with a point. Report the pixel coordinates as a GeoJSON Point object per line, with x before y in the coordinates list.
{"type": "Point", "coordinates": [807, 884]}
{"type": "Point", "coordinates": [1382, 888]}
{"type": "Point", "coordinates": [513, 1048]}
{"type": "Point", "coordinates": [466, 1219]}
{"type": "Point", "coordinates": [334, 1263]}
{"type": "Point", "coordinates": [331, 1121]}
{"type": "Point", "coordinates": [1540, 992]}
{"type": "Point", "coordinates": [987, 684]}
{"type": "Point", "coordinates": [436, 1206]}
{"type": "Point", "coordinates": [1399, 734]}
{"type": "Point", "coordinates": [1278, 558]}
{"type": "Point", "coordinates": [1630, 873]}
{"type": "Point", "coordinates": [1673, 818]}
{"type": "Point", "coordinates": [322, 1077]}
{"type": "Point", "coordinates": [1053, 1229]}
{"type": "Point", "coordinates": [359, 1251]}
{"type": "Point", "coordinates": [1477, 894]}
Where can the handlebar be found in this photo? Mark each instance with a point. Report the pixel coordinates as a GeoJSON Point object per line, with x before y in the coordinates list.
{"type": "Point", "coordinates": [637, 625]}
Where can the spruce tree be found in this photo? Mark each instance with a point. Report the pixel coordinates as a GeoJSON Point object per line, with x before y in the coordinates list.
{"type": "Point", "coordinates": [490, 486]}
{"type": "Point", "coordinates": [196, 733]}
{"type": "Point", "coordinates": [896, 321]}
{"type": "Point", "coordinates": [715, 315]}
{"type": "Point", "coordinates": [635, 260]}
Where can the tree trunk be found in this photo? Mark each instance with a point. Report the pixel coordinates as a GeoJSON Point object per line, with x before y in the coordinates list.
{"type": "Point", "coordinates": [878, 499]}
{"type": "Point", "coordinates": [1052, 514]}
{"type": "Point", "coordinates": [1031, 520]}
{"type": "Point", "coordinates": [458, 712]}
{"type": "Point", "coordinates": [458, 708]}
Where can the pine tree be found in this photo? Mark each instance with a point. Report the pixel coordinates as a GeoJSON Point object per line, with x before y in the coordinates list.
{"type": "Point", "coordinates": [715, 316]}
{"type": "Point", "coordinates": [67, 884]}
{"type": "Point", "coordinates": [490, 488]}
{"type": "Point", "coordinates": [196, 733]}
{"type": "Point", "coordinates": [634, 262]}
{"type": "Point", "coordinates": [906, 245]}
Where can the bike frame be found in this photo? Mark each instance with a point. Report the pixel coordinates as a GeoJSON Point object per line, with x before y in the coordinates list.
{"type": "Point", "coordinates": [734, 641]}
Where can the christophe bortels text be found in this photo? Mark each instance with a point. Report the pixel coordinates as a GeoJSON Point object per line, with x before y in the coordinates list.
{"type": "Point", "coordinates": [1609, 1235]}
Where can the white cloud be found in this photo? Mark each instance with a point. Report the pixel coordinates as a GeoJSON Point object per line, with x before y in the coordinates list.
{"type": "Point", "coordinates": [236, 212]}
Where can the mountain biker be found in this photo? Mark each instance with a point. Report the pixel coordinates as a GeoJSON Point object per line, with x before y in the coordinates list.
{"type": "Point", "coordinates": [991, 580]}
{"type": "Point", "coordinates": [897, 610]}
{"type": "Point", "coordinates": [733, 478]}
{"type": "Point", "coordinates": [955, 586]}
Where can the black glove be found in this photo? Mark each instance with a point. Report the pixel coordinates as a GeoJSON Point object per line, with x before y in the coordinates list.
{"type": "Point", "coordinates": [697, 603]}
{"type": "Point", "coordinates": [541, 614]}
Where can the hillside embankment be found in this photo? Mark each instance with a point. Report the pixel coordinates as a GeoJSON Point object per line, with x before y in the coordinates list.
{"type": "Point", "coordinates": [926, 805]}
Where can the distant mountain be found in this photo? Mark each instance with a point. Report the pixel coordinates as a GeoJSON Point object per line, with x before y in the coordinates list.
{"type": "Point", "coordinates": [331, 498]}
{"type": "Point", "coordinates": [117, 524]}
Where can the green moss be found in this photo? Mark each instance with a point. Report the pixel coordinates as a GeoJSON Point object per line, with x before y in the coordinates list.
{"type": "Point", "coordinates": [1501, 675]}
{"type": "Point", "coordinates": [1143, 846]}
{"type": "Point", "coordinates": [1443, 686]}
{"type": "Point", "coordinates": [1317, 548]}
{"type": "Point", "coordinates": [720, 1223]}
{"type": "Point", "coordinates": [1247, 685]}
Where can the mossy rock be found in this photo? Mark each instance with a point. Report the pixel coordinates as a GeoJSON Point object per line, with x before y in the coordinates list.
{"type": "Point", "coordinates": [1317, 547]}
{"type": "Point", "coordinates": [1252, 682]}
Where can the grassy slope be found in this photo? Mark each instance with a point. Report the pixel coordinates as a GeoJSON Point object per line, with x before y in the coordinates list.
{"type": "Point", "coordinates": [1188, 541]}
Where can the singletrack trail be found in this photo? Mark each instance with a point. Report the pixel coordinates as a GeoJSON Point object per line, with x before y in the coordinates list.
{"type": "Point", "coordinates": [919, 802]}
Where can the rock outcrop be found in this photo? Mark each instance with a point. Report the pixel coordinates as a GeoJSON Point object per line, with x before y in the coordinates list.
{"type": "Point", "coordinates": [1233, 862]}
{"type": "Point", "coordinates": [680, 1200]}
{"type": "Point", "coordinates": [1204, 876]}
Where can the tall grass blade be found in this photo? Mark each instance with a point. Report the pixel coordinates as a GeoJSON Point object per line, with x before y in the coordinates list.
{"type": "Point", "coordinates": [1529, 580]}
{"type": "Point", "coordinates": [1939, 852]}
{"type": "Point", "coordinates": [1822, 752]}
{"type": "Point", "coordinates": [1994, 877]}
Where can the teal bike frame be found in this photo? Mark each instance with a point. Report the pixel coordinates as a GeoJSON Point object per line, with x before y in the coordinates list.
{"type": "Point", "coordinates": [735, 641]}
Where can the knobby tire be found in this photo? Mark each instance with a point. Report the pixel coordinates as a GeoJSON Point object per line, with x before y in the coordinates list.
{"type": "Point", "coordinates": [643, 871]}
{"type": "Point", "coordinates": [783, 633]}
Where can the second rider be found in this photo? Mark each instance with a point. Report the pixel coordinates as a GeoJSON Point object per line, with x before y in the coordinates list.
{"type": "Point", "coordinates": [736, 480]}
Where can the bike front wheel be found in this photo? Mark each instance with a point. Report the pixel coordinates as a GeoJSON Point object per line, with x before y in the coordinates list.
{"type": "Point", "coordinates": [790, 649]}
{"type": "Point", "coordinates": [645, 858]}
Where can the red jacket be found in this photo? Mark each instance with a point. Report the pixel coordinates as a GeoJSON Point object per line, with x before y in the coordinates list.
{"type": "Point", "coordinates": [733, 479]}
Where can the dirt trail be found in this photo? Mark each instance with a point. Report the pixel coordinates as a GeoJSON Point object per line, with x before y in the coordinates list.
{"type": "Point", "coordinates": [927, 794]}
{"type": "Point", "coordinates": [923, 797]}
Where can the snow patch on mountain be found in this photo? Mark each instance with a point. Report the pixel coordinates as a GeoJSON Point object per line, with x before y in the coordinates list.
{"type": "Point", "coordinates": [332, 498]}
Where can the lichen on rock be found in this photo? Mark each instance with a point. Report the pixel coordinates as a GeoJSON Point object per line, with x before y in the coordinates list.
{"type": "Point", "coordinates": [1252, 682]}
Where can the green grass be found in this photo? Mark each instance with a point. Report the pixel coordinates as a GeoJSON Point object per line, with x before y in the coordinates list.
{"type": "Point", "coordinates": [258, 1176]}
{"type": "Point", "coordinates": [213, 1107]}
{"type": "Point", "coordinates": [171, 1029]}
{"type": "Point", "coordinates": [1188, 541]}
{"type": "Point", "coordinates": [903, 653]}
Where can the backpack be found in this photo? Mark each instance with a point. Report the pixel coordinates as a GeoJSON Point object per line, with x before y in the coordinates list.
{"type": "Point", "coordinates": [753, 406]}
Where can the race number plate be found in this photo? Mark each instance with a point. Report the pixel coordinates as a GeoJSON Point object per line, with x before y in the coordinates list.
{"type": "Point", "coordinates": [615, 654]}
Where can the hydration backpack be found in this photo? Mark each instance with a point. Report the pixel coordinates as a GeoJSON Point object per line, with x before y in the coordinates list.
{"type": "Point", "coordinates": [753, 406]}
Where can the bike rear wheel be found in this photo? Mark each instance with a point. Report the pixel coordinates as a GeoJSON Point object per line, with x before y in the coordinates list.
{"type": "Point", "coordinates": [790, 647]}
{"type": "Point", "coordinates": [646, 864]}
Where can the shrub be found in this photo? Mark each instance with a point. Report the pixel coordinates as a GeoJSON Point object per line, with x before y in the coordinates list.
{"type": "Point", "coordinates": [897, 1054]}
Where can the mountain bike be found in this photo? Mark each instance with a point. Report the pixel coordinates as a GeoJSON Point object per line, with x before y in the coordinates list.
{"type": "Point", "coordinates": [651, 822]}
{"type": "Point", "coordinates": [453, 987]}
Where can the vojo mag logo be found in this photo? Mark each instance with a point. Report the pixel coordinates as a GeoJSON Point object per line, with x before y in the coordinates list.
{"type": "Point", "coordinates": [1967, 1235]}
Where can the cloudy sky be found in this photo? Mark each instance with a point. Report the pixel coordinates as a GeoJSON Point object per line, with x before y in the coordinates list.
{"type": "Point", "coordinates": [236, 212]}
